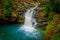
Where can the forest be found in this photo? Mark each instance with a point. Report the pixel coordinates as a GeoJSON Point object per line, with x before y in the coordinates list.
{"type": "Point", "coordinates": [15, 13]}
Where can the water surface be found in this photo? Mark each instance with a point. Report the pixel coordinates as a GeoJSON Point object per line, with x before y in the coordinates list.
{"type": "Point", "coordinates": [10, 32]}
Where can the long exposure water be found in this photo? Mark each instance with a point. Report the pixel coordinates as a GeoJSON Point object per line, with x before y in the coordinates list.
{"type": "Point", "coordinates": [30, 23]}
{"type": "Point", "coordinates": [29, 27]}
{"type": "Point", "coordinates": [27, 31]}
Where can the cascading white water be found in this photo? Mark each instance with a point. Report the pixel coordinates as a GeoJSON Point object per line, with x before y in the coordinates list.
{"type": "Point", "coordinates": [30, 23]}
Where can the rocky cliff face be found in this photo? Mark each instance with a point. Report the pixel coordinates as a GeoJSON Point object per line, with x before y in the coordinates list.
{"type": "Point", "coordinates": [13, 12]}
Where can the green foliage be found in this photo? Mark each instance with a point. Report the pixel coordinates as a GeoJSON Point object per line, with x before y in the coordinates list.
{"type": "Point", "coordinates": [50, 15]}
{"type": "Point", "coordinates": [57, 7]}
{"type": "Point", "coordinates": [7, 12]}
{"type": "Point", "coordinates": [58, 29]}
{"type": "Point", "coordinates": [56, 37]}
{"type": "Point", "coordinates": [8, 7]}
{"type": "Point", "coordinates": [51, 6]}
{"type": "Point", "coordinates": [50, 25]}
{"type": "Point", "coordinates": [47, 7]}
{"type": "Point", "coordinates": [17, 11]}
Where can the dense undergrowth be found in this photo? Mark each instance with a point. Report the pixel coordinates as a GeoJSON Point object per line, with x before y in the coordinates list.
{"type": "Point", "coordinates": [51, 9]}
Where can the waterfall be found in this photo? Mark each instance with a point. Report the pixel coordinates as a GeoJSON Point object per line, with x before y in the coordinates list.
{"type": "Point", "coordinates": [30, 23]}
{"type": "Point", "coordinates": [28, 28]}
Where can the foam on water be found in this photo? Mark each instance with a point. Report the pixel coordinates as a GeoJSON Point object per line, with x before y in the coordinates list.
{"type": "Point", "coordinates": [30, 23]}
